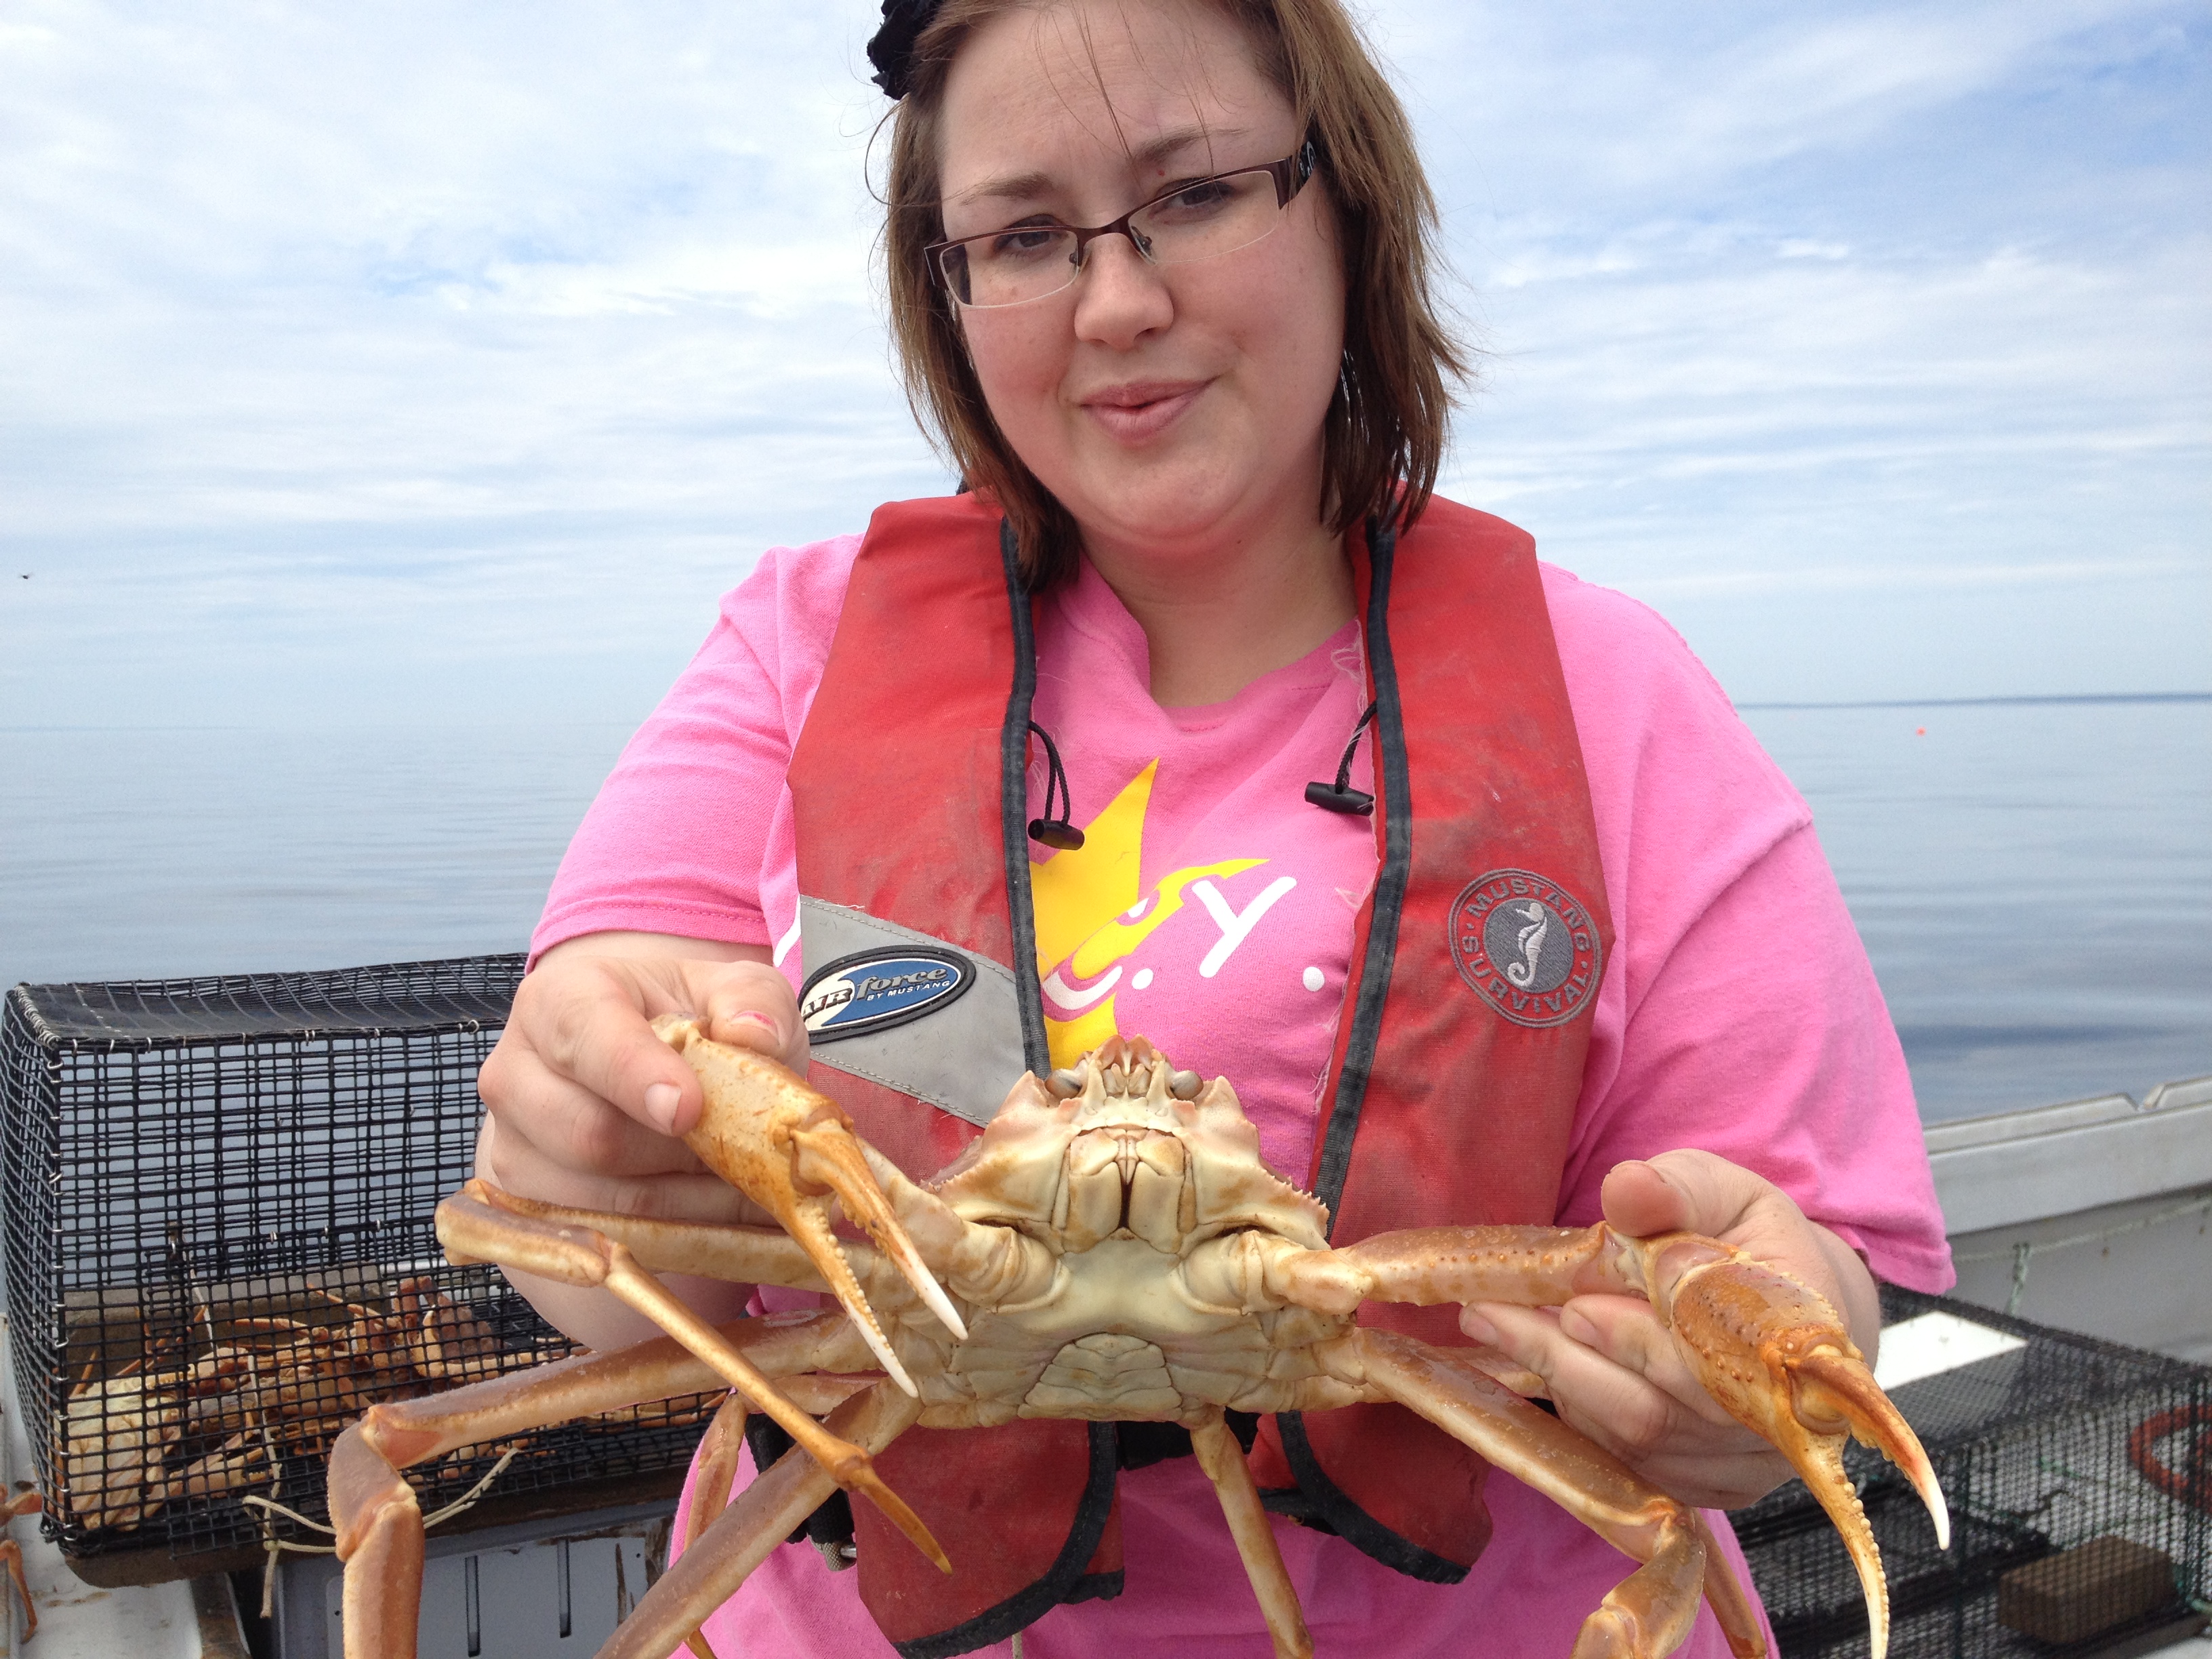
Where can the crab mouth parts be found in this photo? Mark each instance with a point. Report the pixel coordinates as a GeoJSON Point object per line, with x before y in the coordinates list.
{"type": "Point", "coordinates": [1126, 1182]}
{"type": "Point", "coordinates": [1126, 1164]}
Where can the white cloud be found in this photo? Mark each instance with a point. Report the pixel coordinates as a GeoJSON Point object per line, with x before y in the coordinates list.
{"type": "Point", "coordinates": [1676, 95]}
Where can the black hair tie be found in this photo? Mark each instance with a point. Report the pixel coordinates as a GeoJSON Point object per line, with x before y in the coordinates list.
{"type": "Point", "coordinates": [891, 49]}
{"type": "Point", "coordinates": [1056, 833]}
{"type": "Point", "coordinates": [1340, 796]}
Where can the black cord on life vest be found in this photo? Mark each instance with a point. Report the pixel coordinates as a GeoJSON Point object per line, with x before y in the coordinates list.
{"type": "Point", "coordinates": [1057, 833]}
{"type": "Point", "coordinates": [1340, 796]}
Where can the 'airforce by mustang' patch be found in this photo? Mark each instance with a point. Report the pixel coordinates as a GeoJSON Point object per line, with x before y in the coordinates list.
{"type": "Point", "coordinates": [875, 990]}
{"type": "Point", "coordinates": [1526, 944]}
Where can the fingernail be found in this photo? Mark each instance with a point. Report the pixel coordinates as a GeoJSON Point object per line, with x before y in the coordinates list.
{"type": "Point", "coordinates": [1478, 1328]}
{"type": "Point", "coordinates": [753, 1017]}
{"type": "Point", "coordinates": [661, 1100]}
{"type": "Point", "coordinates": [1574, 1325]}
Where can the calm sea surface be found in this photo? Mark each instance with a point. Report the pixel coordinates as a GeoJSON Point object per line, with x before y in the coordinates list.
{"type": "Point", "coordinates": [2033, 880]}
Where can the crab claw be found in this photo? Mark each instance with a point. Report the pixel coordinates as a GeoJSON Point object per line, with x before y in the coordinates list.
{"type": "Point", "coordinates": [791, 1150]}
{"type": "Point", "coordinates": [831, 1156]}
{"type": "Point", "coordinates": [1775, 1355]}
{"type": "Point", "coordinates": [1841, 1386]}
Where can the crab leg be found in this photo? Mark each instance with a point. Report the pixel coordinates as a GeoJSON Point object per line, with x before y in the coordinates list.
{"type": "Point", "coordinates": [719, 1449]}
{"type": "Point", "coordinates": [1773, 1352]}
{"type": "Point", "coordinates": [1223, 1460]}
{"type": "Point", "coordinates": [763, 1515]}
{"type": "Point", "coordinates": [1724, 1594]}
{"type": "Point", "coordinates": [717, 1461]}
{"type": "Point", "coordinates": [790, 1149]}
{"type": "Point", "coordinates": [989, 1266]}
{"type": "Point", "coordinates": [472, 1230]}
{"type": "Point", "coordinates": [985, 1265]}
{"type": "Point", "coordinates": [23, 1502]}
{"type": "Point", "coordinates": [738, 1255]}
{"type": "Point", "coordinates": [379, 1525]}
{"type": "Point", "coordinates": [1650, 1612]}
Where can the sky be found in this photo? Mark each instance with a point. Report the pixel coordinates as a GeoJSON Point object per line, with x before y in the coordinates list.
{"type": "Point", "coordinates": [421, 363]}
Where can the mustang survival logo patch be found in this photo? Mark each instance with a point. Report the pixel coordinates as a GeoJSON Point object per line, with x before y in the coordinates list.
{"type": "Point", "coordinates": [875, 990]}
{"type": "Point", "coordinates": [1526, 944]}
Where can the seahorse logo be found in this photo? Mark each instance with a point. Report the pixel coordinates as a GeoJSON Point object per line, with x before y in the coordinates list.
{"type": "Point", "coordinates": [1527, 945]}
{"type": "Point", "coordinates": [1531, 945]}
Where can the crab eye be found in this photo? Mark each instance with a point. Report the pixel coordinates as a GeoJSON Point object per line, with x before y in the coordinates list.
{"type": "Point", "coordinates": [1068, 1084]}
{"type": "Point", "coordinates": [1183, 1086]}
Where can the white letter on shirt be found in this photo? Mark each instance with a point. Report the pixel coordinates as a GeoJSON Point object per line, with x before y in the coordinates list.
{"type": "Point", "coordinates": [1234, 928]}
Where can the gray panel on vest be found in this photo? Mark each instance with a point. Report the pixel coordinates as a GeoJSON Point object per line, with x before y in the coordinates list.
{"type": "Point", "coordinates": [962, 1057]}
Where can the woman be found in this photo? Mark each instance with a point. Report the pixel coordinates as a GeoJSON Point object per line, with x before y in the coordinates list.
{"type": "Point", "coordinates": [1588, 960]}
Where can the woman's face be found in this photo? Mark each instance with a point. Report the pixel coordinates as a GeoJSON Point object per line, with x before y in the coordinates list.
{"type": "Point", "coordinates": [1165, 407]}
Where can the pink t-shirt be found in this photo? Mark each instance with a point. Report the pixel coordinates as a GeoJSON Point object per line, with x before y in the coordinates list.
{"type": "Point", "coordinates": [1210, 910]}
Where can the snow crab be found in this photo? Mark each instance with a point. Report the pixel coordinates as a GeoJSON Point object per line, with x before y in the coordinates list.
{"type": "Point", "coordinates": [214, 1410]}
{"type": "Point", "coordinates": [1121, 1205]}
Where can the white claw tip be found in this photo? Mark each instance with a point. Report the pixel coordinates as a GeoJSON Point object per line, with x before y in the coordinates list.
{"type": "Point", "coordinates": [882, 1349]}
{"type": "Point", "coordinates": [941, 1305]}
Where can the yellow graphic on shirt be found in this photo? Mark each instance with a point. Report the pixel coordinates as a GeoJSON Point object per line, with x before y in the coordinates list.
{"type": "Point", "coordinates": [1084, 899]}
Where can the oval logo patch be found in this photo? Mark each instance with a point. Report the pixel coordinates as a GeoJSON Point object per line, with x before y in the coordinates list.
{"type": "Point", "coordinates": [875, 990]}
{"type": "Point", "coordinates": [1526, 944]}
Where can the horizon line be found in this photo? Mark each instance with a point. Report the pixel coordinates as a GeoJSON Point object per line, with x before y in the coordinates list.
{"type": "Point", "coordinates": [335, 725]}
{"type": "Point", "coordinates": [1968, 703]}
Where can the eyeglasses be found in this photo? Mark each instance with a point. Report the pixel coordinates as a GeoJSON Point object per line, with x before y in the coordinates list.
{"type": "Point", "coordinates": [1202, 220]}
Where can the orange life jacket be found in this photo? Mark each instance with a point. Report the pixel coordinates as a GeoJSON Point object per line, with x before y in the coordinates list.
{"type": "Point", "coordinates": [1459, 1055]}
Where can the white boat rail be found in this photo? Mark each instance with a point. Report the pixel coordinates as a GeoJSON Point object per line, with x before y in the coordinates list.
{"type": "Point", "coordinates": [2092, 1216]}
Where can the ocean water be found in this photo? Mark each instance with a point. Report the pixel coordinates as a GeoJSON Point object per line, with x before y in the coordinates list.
{"type": "Point", "coordinates": [2033, 880]}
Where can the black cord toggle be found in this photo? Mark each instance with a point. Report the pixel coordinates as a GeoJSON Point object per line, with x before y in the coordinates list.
{"type": "Point", "coordinates": [1340, 796]}
{"type": "Point", "coordinates": [1056, 833]}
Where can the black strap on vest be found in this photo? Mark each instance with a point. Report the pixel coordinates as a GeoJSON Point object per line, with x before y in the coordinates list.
{"type": "Point", "coordinates": [831, 1523]}
{"type": "Point", "coordinates": [1318, 1501]}
{"type": "Point", "coordinates": [1065, 1581]}
{"type": "Point", "coordinates": [1391, 881]}
{"type": "Point", "coordinates": [1013, 811]}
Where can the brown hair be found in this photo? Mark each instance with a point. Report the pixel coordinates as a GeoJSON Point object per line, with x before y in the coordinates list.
{"type": "Point", "coordinates": [1383, 435]}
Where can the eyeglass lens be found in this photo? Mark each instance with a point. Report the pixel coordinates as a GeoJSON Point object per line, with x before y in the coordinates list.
{"type": "Point", "coordinates": [1028, 262]}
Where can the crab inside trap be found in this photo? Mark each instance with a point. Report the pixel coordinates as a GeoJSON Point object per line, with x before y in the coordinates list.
{"type": "Point", "coordinates": [218, 1198]}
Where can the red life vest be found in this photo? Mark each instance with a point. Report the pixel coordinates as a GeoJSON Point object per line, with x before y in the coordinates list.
{"type": "Point", "coordinates": [1458, 1060]}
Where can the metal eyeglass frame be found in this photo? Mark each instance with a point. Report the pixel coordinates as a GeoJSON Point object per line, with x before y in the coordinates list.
{"type": "Point", "coordinates": [1290, 174]}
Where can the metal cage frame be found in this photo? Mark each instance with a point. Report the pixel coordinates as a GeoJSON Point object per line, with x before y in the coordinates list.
{"type": "Point", "coordinates": [216, 1206]}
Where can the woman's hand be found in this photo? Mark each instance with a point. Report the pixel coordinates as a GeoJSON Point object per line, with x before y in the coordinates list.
{"type": "Point", "coordinates": [1614, 1371]}
{"type": "Point", "coordinates": [583, 1101]}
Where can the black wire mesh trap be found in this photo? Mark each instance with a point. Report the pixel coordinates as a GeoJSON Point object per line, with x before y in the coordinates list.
{"type": "Point", "coordinates": [2079, 1477]}
{"type": "Point", "coordinates": [218, 1236]}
